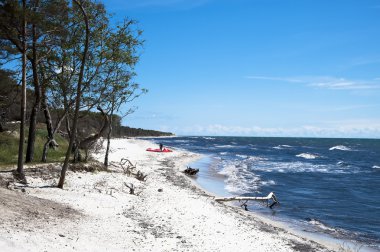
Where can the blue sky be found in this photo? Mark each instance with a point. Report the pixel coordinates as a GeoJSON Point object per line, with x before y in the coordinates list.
{"type": "Point", "coordinates": [306, 68]}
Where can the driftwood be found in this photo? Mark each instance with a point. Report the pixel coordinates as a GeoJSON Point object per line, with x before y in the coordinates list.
{"type": "Point", "coordinates": [271, 200]}
{"type": "Point", "coordinates": [131, 188]}
{"type": "Point", "coordinates": [127, 166]}
{"type": "Point", "coordinates": [140, 176]}
{"type": "Point", "coordinates": [191, 171]}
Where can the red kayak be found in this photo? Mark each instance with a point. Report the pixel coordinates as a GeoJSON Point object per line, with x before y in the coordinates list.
{"type": "Point", "coordinates": [158, 150]}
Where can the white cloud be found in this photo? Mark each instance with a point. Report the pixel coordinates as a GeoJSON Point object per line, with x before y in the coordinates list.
{"type": "Point", "coordinates": [361, 128]}
{"type": "Point", "coordinates": [326, 82]}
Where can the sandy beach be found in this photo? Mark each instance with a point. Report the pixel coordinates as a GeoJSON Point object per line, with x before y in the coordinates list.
{"type": "Point", "coordinates": [96, 212]}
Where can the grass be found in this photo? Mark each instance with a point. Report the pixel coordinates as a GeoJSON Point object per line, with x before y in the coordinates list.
{"type": "Point", "coordinates": [9, 147]}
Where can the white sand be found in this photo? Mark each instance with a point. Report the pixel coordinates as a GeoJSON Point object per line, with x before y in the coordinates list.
{"type": "Point", "coordinates": [180, 218]}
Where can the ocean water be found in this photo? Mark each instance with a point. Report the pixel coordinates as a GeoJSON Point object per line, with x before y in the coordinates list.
{"type": "Point", "coordinates": [324, 185]}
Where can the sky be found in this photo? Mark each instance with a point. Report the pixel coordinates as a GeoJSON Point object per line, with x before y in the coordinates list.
{"type": "Point", "coordinates": [288, 68]}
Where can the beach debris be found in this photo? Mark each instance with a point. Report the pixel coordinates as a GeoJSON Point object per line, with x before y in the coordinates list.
{"type": "Point", "coordinates": [140, 176]}
{"type": "Point", "coordinates": [131, 188]}
{"type": "Point", "coordinates": [160, 190]}
{"type": "Point", "coordinates": [191, 171]}
{"type": "Point", "coordinates": [271, 200]}
{"type": "Point", "coordinates": [127, 166]}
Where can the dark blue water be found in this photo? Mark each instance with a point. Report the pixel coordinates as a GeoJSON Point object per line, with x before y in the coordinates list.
{"type": "Point", "coordinates": [330, 183]}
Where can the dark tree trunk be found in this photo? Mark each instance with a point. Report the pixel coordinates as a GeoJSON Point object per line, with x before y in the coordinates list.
{"type": "Point", "coordinates": [37, 101]}
{"type": "Point", "coordinates": [45, 108]}
{"type": "Point", "coordinates": [20, 163]}
{"type": "Point", "coordinates": [49, 125]}
{"type": "Point", "coordinates": [109, 136]}
{"type": "Point", "coordinates": [77, 99]}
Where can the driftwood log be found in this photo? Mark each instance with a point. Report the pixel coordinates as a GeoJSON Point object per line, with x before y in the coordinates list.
{"type": "Point", "coordinates": [191, 171]}
{"type": "Point", "coordinates": [271, 200]}
{"type": "Point", "coordinates": [127, 166]}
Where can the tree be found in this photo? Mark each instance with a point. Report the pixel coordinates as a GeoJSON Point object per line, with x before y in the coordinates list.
{"type": "Point", "coordinates": [20, 163]}
{"type": "Point", "coordinates": [43, 17]}
{"type": "Point", "coordinates": [78, 95]}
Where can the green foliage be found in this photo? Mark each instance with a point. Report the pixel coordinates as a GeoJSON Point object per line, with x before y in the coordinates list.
{"type": "Point", "coordinates": [9, 147]}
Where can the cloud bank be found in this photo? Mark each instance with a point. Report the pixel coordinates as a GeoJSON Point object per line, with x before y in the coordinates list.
{"type": "Point", "coordinates": [358, 129]}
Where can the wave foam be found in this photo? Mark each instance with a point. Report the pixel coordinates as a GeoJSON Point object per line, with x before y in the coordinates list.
{"type": "Point", "coordinates": [340, 147]}
{"type": "Point", "coordinates": [307, 156]}
{"type": "Point", "coordinates": [297, 167]}
{"type": "Point", "coordinates": [239, 179]}
{"type": "Point", "coordinates": [376, 167]}
{"type": "Point", "coordinates": [209, 138]}
{"type": "Point", "coordinates": [224, 146]}
{"type": "Point", "coordinates": [282, 146]}
{"type": "Point", "coordinates": [321, 226]}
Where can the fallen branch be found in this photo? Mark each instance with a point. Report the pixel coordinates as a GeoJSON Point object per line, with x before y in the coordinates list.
{"type": "Point", "coordinates": [271, 197]}
{"type": "Point", "coordinates": [131, 188]}
{"type": "Point", "coordinates": [127, 166]}
{"type": "Point", "coordinates": [140, 176]}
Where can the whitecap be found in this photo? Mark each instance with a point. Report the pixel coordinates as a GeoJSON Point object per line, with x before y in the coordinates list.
{"type": "Point", "coordinates": [282, 146]}
{"type": "Point", "coordinates": [241, 156]}
{"type": "Point", "coordinates": [181, 141]}
{"type": "Point", "coordinates": [209, 138]}
{"type": "Point", "coordinates": [307, 156]}
{"type": "Point", "coordinates": [253, 158]}
{"type": "Point", "coordinates": [223, 153]}
{"type": "Point", "coordinates": [340, 147]}
{"type": "Point", "coordinates": [224, 146]}
{"type": "Point", "coordinates": [269, 182]}
{"type": "Point", "coordinates": [376, 167]}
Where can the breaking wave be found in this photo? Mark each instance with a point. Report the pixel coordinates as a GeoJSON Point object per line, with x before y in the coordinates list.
{"type": "Point", "coordinates": [209, 138]}
{"type": "Point", "coordinates": [240, 179]}
{"type": "Point", "coordinates": [282, 146]}
{"type": "Point", "coordinates": [224, 146]}
{"type": "Point", "coordinates": [321, 226]}
{"type": "Point", "coordinates": [307, 156]}
{"type": "Point", "coordinates": [340, 147]}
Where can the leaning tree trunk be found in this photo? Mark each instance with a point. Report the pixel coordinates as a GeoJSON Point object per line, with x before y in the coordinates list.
{"type": "Point", "coordinates": [45, 107]}
{"type": "Point", "coordinates": [77, 99]}
{"type": "Point", "coordinates": [20, 163]}
{"type": "Point", "coordinates": [91, 140]}
{"type": "Point", "coordinates": [50, 143]}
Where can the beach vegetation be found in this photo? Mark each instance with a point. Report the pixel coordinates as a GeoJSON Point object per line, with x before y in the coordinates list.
{"type": "Point", "coordinates": [9, 146]}
{"type": "Point", "coordinates": [78, 62]}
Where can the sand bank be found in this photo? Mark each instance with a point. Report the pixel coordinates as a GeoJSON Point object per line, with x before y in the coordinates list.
{"type": "Point", "coordinates": [95, 212]}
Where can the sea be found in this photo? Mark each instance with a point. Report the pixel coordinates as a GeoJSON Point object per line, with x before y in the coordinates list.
{"type": "Point", "coordinates": [324, 186]}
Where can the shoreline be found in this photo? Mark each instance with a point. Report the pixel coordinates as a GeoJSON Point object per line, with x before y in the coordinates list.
{"type": "Point", "coordinates": [170, 213]}
{"type": "Point", "coordinates": [310, 232]}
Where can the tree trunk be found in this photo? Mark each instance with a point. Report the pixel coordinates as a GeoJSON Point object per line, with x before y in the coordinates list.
{"type": "Point", "coordinates": [89, 141]}
{"type": "Point", "coordinates": [45, 108]}
{"type": "Point", "coordinates": [49, 124]}
{"type": "Point", "coordinates": [37, 101]}
{"type": "Point", "coordinates": [77, 99]}
{"type": "Point", "coordinates": [109, 136]}
{"type": "Point", "coordinates": [20, 163]}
